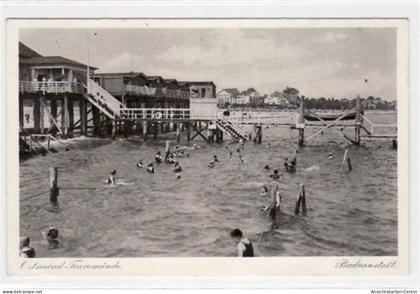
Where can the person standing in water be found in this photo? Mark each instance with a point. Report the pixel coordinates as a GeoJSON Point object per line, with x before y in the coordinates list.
{"type": "Point", "coordinates": [151, 168]}
{"type": "Point", "coordinates": [245, 248]}
{"type": "Point", "coordinates": [25, 249]}
{"type": "Point", "coordinates": [111, 178]}
{"type": "Point", "coordinates": [158, 157]}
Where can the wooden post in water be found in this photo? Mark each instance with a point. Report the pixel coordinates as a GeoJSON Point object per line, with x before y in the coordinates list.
{"type": "Point", "coordinates": [300, 124]}
{"type": "Point", "coordinates": [21, 112]}
{"type": "Point", "coordinates": [54, 191]}
{"type": "Point", "coordinates": [258, 134]}
{"type": "Point", "coordinates": [96, 120]}
{"type": "Point", "coordinates": [358, 121]}
{"type": "Point", "coordinates": [49, 142]}
{"type": "Point", "coordinates": [83, 116]}
{"type": "Point", "coordinates": [178, 134]}
{"type": "Point", "coordinates": [114, 128]}
{"type": "Point", "coordinates": [144, 127]}
{"type": "Point", "coordinates": [346, 160]}
{"type": "Point", "coordinates": [71, 117]}
{"type": "Point", "coordinates": [155, 130]}
{"type": "Point", "coordinates": [30, 143]}
{"type": "Point", "coordinates": [53, 106]}
{"type": "Point", "coordinates": [65, 116]}
{"type": "Point", "coordinates": [37, 115]}
{"type": "Point", "coordinates": [301, 202]}
{"type": "Point", "coordinates": [41, 115]}
{"type": "Point", "coordinates": [189, 131]}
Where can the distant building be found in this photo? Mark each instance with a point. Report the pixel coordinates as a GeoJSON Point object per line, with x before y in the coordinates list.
{"type": "Point", "coordinates": [277, 98]}
{"type": "Point", "coordinates": [245, 97]}
{"type": "Point", "coordinates": [229, 95]}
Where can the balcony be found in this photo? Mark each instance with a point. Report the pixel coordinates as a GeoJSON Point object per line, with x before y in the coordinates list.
{"type": "Point", "coordinates": [51, 87]}
{"type": "Point", "coordinates": [153, 92]}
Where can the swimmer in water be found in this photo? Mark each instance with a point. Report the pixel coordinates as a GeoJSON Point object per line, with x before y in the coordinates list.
{"type": "Point", "coordinates": [211, 164]}
{"type": "Point", "coordinates": [140, 164]}
{"type": "Point", "coordinates": [244, 246]}
{"type": "Point", "coordinates": [241, 160]}
{"type": "Point", "coordinates": [177, 168]}
{"type": "Point", "coordinates": [171, 158]}
{"type": "Point", "coordinates": [151, 168]}
{"type": "Point", "coordinates": [215, 159]}
{"type": "Point", "coordinates": [181, 153]}
{"type": "Point", "coordinates": [264, 191]}
{"type": "Point", "coordinates": [25, 249]}
{"type": "Point", "coordinates": [187, 155]}
{"type": "Point", "coordinates": [111, 178]}
{"type": "Point", "coordinates": [330, 156]}
{"type": "Point", "coordinates": [275, 175]}
{"type": "Point", "coordinates": [195, 146]}
{"type": "Point", "coordinates": [268, 145]}
{"type": "Point", "coordinates": [267, 167]}
{"type": "Point", "coordinates": [158, 157]}
{"type": "Point", "coordinates": [52, 238]}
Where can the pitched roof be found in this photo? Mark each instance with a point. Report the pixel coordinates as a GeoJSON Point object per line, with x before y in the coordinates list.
{"type": "Point", "coordinates": [232, 91]}
{"type": "Point", "coordinates": [54, 60]}
{"type": "Point", "coordinates": [26, 52]}
{"type": "Point", "coordinates": [200, 83]}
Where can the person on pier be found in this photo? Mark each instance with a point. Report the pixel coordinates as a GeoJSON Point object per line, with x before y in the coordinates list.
{"type": "Point", "coordinates": [244, 246]}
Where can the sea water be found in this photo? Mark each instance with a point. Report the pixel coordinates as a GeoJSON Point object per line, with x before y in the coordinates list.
{"type": "Point", "coordinates": [155, 215]}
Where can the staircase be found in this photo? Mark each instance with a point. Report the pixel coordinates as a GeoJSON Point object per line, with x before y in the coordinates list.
{"type": "Point", "coordinates": [234, 130]}
{"type": "Point", "coordinates": [103, 100]}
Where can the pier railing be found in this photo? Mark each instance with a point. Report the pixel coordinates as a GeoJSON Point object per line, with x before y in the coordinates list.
{"type": "Point", "coordinates": [155, 113]}
{"type": "Point", "coordinates": [50, 87]}
{"type": "Point", "coordinates": [149, 91]}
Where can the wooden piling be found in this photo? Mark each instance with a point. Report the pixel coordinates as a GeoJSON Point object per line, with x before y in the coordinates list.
{"type": "Point", "coordinates": [189, 131]}
{"type": "Point", "coordinates": [346, 160]}
{"type": "Point", "coordinates": [53, 107]}
{"type": "Point", "coordinates": [155, 130]}
{"type": "Point", "coordinates": [178, 134]}
{"type": "Point", "coordinates": [144, 129]}
{"type": "Point", "coordinates": [65, 116]}
{"type": "Point", "coordinates": [114, 128]}
{"type": "Point", "coordinates": [167, 146]}
{"type": "Point", "coordinates": [358, 121]}
{"type": "Point", "coordinates": [41, 115]}
{"type": "Point", "coordinates": [96, 121]}
{"type": "Point", "coordinates": [37, 115]}
{"type": "Point", "coordinates": [258, 134]}
{"type": "Point", "coordinates": [83, 116]}
{"type": "Point", "coordinates": [301, 141]}
{"type": "Point", "coordinates": [70, 112]}
{"type": "Point", "coordinates": [301, 202]}
{"type": "Point", "coordinates": [300, 124]}
{"type": "Point", "coordinates": [21, 112]}
{"type": "Point", "coordinates": [54, 191]}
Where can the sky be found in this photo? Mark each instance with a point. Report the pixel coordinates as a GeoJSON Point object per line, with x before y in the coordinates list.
{"type": "Point", "coordinates": [319, 62]}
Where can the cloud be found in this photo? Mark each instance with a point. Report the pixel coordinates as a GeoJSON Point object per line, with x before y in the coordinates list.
{"type": "Point", "coordinates": [331, 37]}
{"type": "Point", "coordinates": [231, 48]}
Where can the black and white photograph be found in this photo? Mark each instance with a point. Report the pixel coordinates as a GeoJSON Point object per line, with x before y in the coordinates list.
{"type": "Point", "coordinates": [210, 138]}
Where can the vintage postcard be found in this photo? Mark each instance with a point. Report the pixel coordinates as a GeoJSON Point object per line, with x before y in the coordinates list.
{"type": "Point", "coordinates": [207, 147]}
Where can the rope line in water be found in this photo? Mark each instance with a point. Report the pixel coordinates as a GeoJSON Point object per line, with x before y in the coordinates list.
{"type": "Point", "coordinates": [34, 195]}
